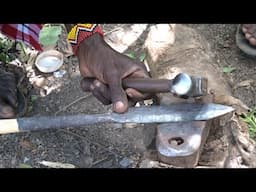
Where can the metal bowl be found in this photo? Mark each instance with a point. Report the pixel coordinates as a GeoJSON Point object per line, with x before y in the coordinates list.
{"type": "Point", "coordinates": [49, 61]}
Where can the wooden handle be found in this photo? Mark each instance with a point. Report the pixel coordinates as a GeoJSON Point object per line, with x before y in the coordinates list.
{"type": "Point", "coordinates": [9, 126]}
{"type": "Point", "coordinates": [143, 85]}
{"type": "Point", "coordinates": [148, 85]}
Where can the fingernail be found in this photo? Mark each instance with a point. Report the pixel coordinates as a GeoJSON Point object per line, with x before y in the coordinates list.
{"type": "Point", "coordinates": [129, 94]}
{"type": "Point", "coordinates": [92, 87]}
{"type": "Point", "coordinates": [118, 106]}
{"type": "Point", "coordinates": [247, 35]}
{"type": "Point", "coordinates": [7, 112]}
{"type": "Point", "coordinates": [97, 83]}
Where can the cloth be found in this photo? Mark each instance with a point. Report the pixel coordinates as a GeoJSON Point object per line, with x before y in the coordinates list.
{"type": "Point", "coordinates": [27, 33]}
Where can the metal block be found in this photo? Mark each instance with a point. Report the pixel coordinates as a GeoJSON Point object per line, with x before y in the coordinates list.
{"type": "Point", "coordinates": [180, 144]}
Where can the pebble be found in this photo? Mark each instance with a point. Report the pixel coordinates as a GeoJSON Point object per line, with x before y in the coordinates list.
{"type": "Point", "coordinates": [40, 82]}
{"type": "Point", "coordinates": [126, 162]}
{"type": "Point", "coordinates": [25, 160]}
{"type": "Point", "coordinates": [148, 164]}
{"type": "Point", "coordinates": [59, 73]}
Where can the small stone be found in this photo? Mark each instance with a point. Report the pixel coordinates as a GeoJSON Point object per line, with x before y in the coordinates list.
{"type": "Point", "coordinates": [125, 162]}
{"type": "Point", "coordinates": [226, 45]}
{"type": "Point", "coordinates": [13, 161]}
{"type": "Point", "coordinates": [59, 73]}
{"type": "Point", "coordinates": [40, 82]}
{"type": "Point", "coordinates": [148, 164]}
{"type": "Point", "coordinates": [117, 125]}
{"type": "Point", "coordinates": [26, 160]}
{"type": "Point", "coordinates": [43, 92]}
{"type": "Point", "coordinates": [130, 125]}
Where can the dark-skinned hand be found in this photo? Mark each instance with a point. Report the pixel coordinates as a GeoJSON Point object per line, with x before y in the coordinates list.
{"type": "Point", "coordinates": [8, 94]}
{"type": "Point", "coordinates": [103, 70]}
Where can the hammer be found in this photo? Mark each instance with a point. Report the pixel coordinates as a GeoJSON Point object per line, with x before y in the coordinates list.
{"type": "Point", "coordinates": [183, 85]}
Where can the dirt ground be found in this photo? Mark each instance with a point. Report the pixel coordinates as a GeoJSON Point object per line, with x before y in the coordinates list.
{"type": "Point", "coordinates": [222, 40]}
{"type": "Point", "coordinates": [110, 145]}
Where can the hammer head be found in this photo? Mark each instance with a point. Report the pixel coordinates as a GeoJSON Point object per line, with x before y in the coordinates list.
{"type": "Point", "coordinates": [186, 86]}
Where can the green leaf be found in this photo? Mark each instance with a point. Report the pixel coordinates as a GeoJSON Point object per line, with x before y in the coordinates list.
{"type": "Point", "coordinates": [3, 57]}
{"type": "Point", "coordinates": [142, 57]}
{"type": "Point", "coordinates": [228, 69]}
{"type": "Point", "coordinates": [23, 165]}
{"type": "Point", "coordinates": [131, 55]}
{"type": "Point", "coordinates": [49, 35]}
{"type": "Point", "coordinates": [250, 120]}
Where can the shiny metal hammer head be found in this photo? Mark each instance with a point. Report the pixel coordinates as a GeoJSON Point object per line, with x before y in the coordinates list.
{"type": "Point", "coordinates": [185, 86]}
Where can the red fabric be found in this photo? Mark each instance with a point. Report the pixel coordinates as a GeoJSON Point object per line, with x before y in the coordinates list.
{"type": "Point", "coordinates": [27, 33]}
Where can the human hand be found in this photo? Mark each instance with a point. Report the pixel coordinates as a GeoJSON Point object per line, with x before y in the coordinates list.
{"type": "Point", "coordinates": [103, 70]}
{"type": "Point", "coordinates": [8, 95]}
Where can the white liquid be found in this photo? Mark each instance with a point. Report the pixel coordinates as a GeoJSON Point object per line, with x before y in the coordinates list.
{"type": "Point", "coordinates": [49, 61]}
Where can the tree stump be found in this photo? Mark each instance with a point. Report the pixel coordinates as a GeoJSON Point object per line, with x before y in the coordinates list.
{"type": "Point", "coordinates": [172, 49]}
{"type": "Point", "coordinates": [182, 49]}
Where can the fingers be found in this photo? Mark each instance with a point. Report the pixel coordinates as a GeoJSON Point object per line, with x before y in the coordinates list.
{"type": "Point", "coordinates": [131, 103]}
{"type": "Point", "coordinates": [118, 96]}
{"type": "Point", "coordinates": [86, 84]}
{"type": "Point", "coordinates": [98, 89]}
{"type": "Point", "coordinates": [101, 98]}
{"type": "Point", "coordinates": [113, 93]}
{"type": "Point", "coordinates": [102, 92]}
{"type": "Point", "coordinates": [249, 31]}
{"type": "Point", "coordinates": [6, 111]}
{"type": "Point", "coordinates": [12, 100]}
{"type": "Point", "coordinates": [8, 93]}
{"type": "Point", "coordinates": [135, 95]}
{"type": "Point", "coordinates": [134, 69]}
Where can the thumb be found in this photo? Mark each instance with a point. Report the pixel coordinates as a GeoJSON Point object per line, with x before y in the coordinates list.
{"type": "Point", "coordinates": [118, 96]}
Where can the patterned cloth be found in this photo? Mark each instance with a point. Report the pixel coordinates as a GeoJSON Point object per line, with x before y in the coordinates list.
{"type": "Point", "coordinates": [27, 33]}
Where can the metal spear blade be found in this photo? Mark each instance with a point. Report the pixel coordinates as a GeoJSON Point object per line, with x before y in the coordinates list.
{"type": "Point", "coordinates": [172, 113]}
{"type": "Point", "coordinates": [153, 114]}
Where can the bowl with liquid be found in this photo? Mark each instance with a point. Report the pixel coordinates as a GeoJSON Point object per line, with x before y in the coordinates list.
{"type": "Point", "coordinates": [49, 61]}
